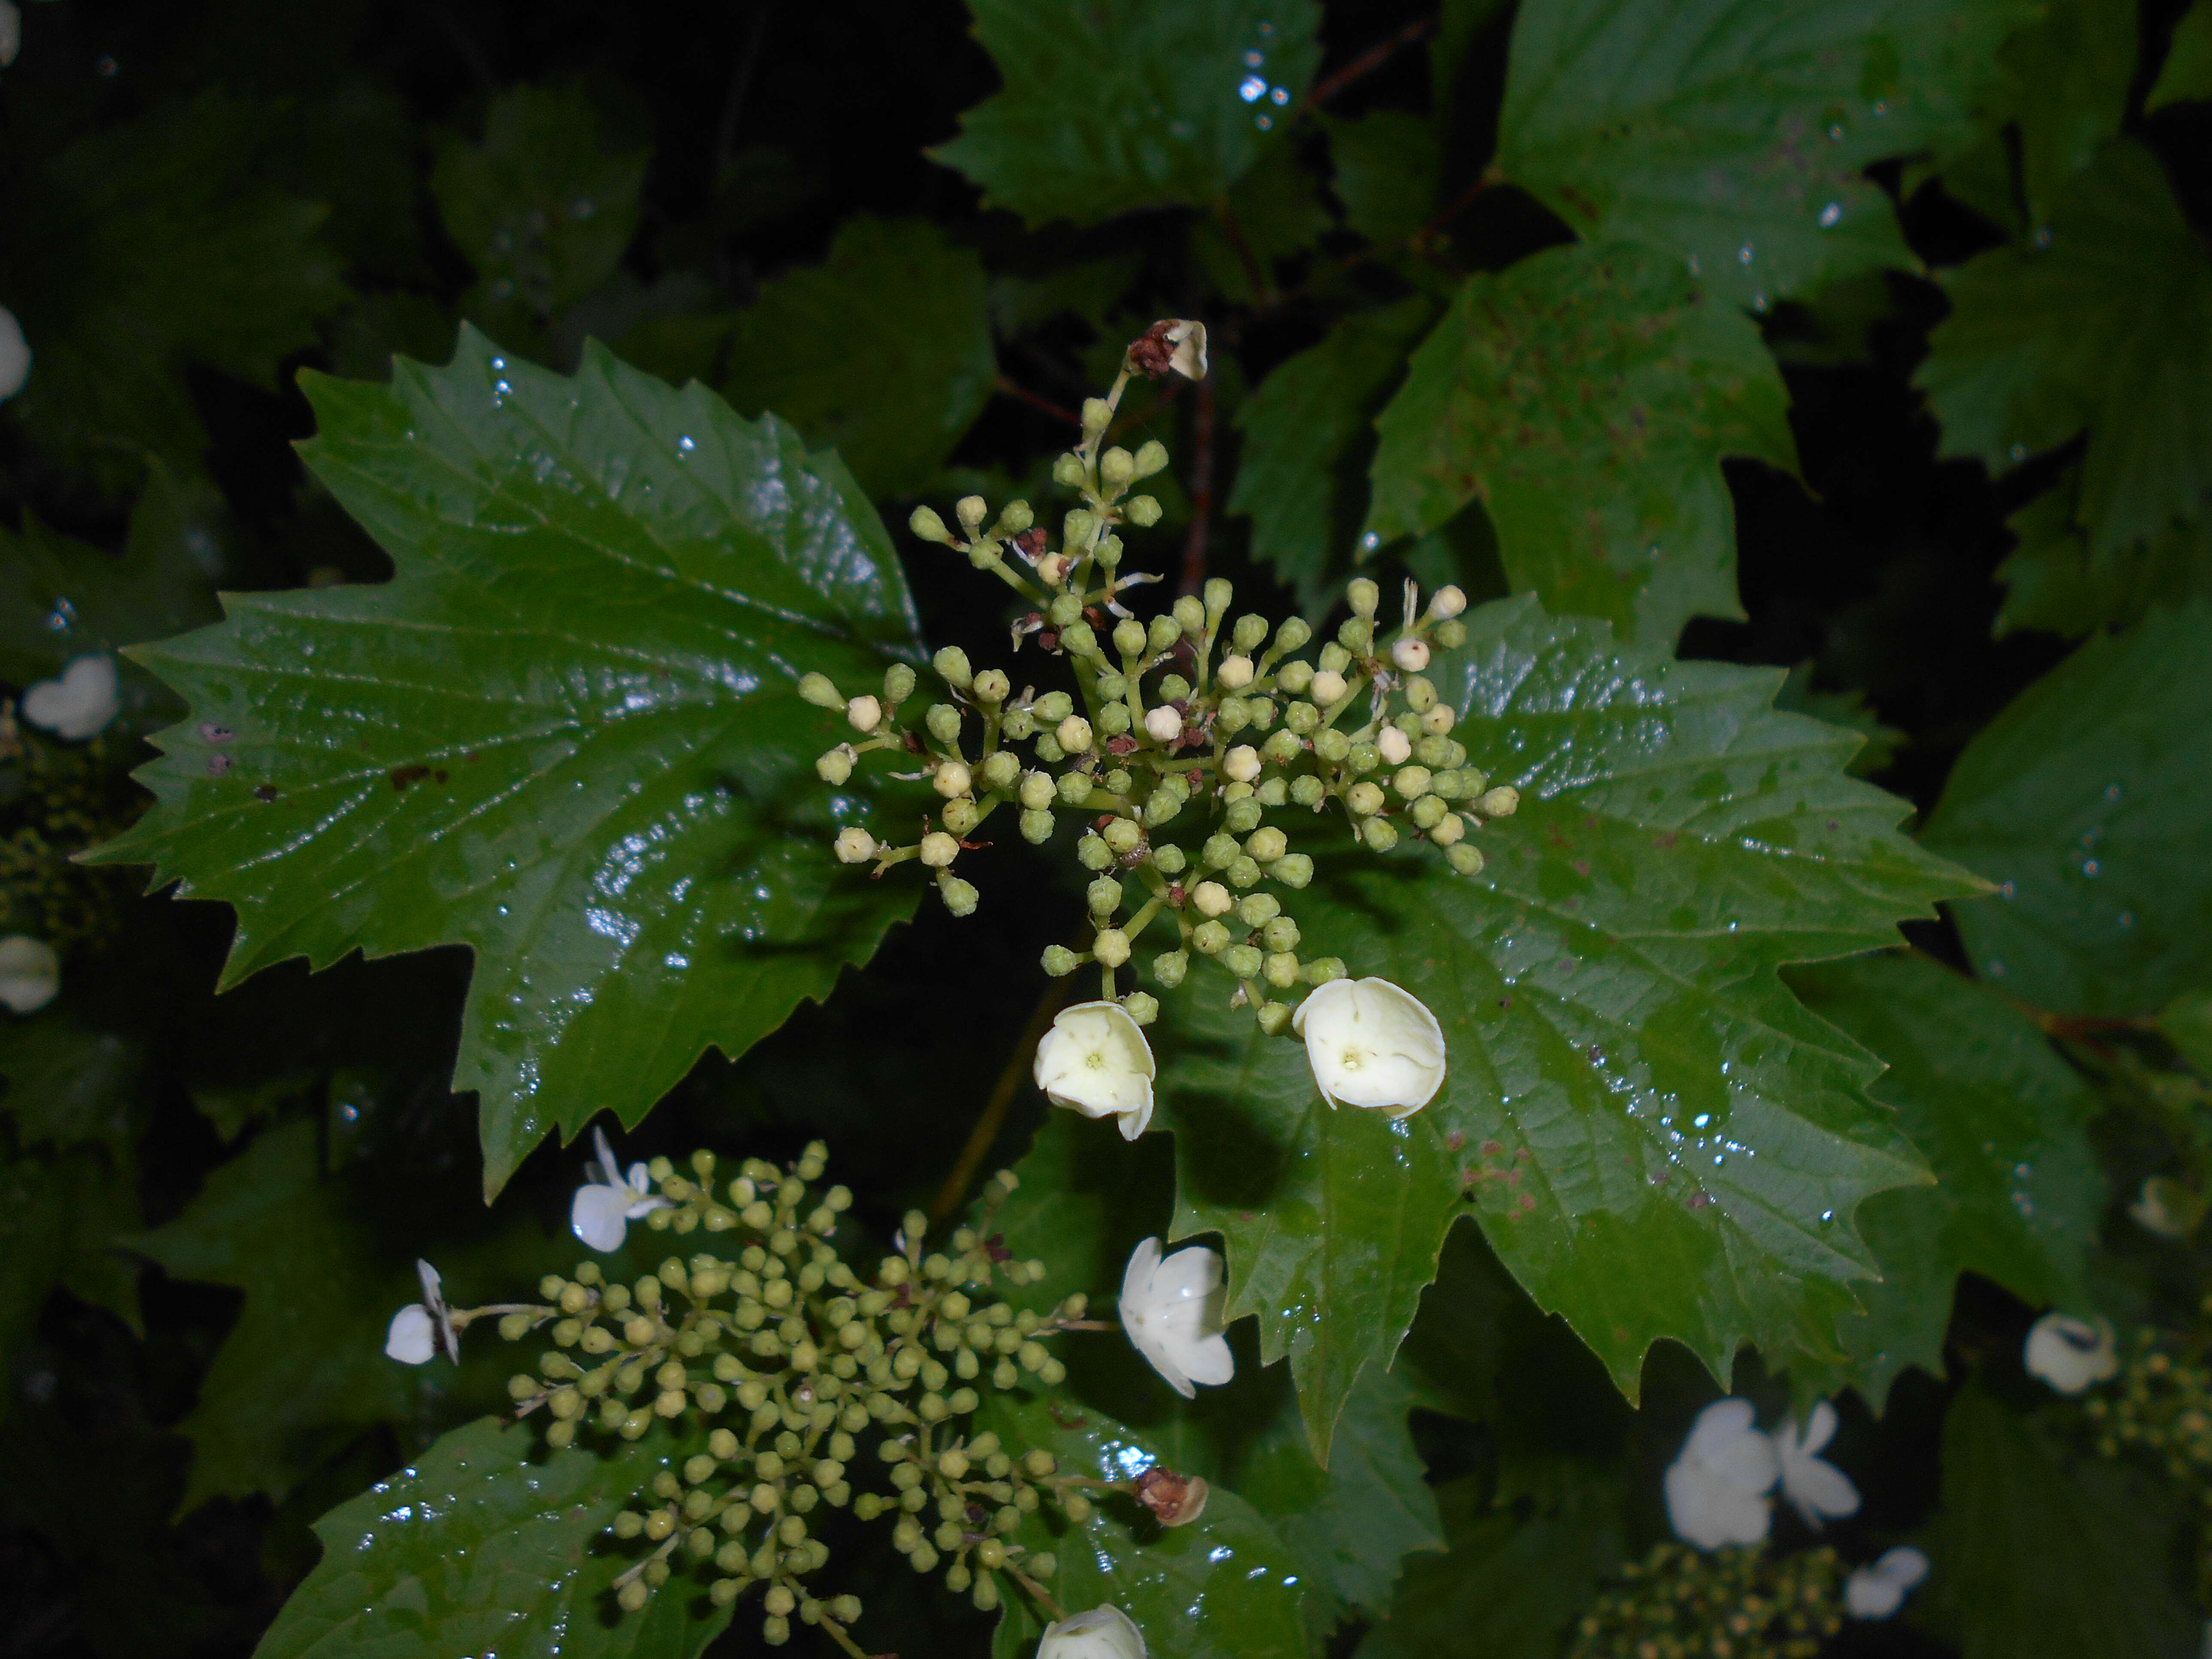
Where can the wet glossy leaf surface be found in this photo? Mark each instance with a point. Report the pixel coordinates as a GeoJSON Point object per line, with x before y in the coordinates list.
{"type": "Point", "coordinates": [489, 1543]}
{"type": "Point", "coordinates": [2101, 318]}
{"type": "Point", "coordinates": [1129, 104]}
{"type": "Point", "coordinates": [2085, 802]}
{"type": "Point", "coordinates": [1587, 396]}
{"type": "Point", "coordinates": [1226, 1584]}
{"type": "Point", "coordinates": [565, 734]}
{"type": "Point", "coordinates": [2003, 1123]}
{"type": "Point", "coordinates": [883, 350]}
{"type": "Point", "coordinates": [1731, 135]}
{"type": "Point", "coordinates": [1658, 1138]}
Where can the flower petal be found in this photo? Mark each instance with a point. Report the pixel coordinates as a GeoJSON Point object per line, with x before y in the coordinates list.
{"type": "Point", "coordinates": [413, 1336]}
{"type": "Point", "coordinates": [596, 1215]}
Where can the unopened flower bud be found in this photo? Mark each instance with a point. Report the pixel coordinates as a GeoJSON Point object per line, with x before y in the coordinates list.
{"type": "Point", "coordinates": [1329, 688]}
{"type": "Point", "coordinates": [1111, 948]}
{"type": "Point", "coordinates": [1073, 734]}
{"type": "Point", "coordinates": [818, 690]}
{"type": "Point", "coordinates": [1242, 764]}
{"type": "Point", "coordinates": [1380, 834]}
{"type": "Point", "coordinates": [1428, 811]}
{"type": "Point", "coordinates": [898, 683]}
{"type": "Point", "coordinates": [1411, 654]}
{"type": "Point", "coordinates": [1356, 634]}
{"type": "Point", "coordinates": [999, 769]}
{"type": "Point", "coordinates": [1363, 799]}
{"type": "Point", "coordinates": [1448, 829]}
{"type": "Point", "coordinates": [1103, 895]}
{"type": "Point", "coordinates": [1235, 673]}
{"type": "Point", "coordinates": [951, 780]}
{"type": "Point", "coordinates": [1129, 637]}
{"type": "Point", "coordinates": [1447, 602]}
{"type": "Point", "coordinates": [1122, 837]}
{"type": "Point", "coordinates": [951, 665]}
{"type": "Point", "coordinates": [1164, 631]}
{"type": "Point", "coordinates": [1450, 634]}
{"type": "Point", "coordinates": [1162, 725]}
{"type": "Point", "coordinates": [961, 899]}
{"type": "Point", "coordinates": [1038, 790]}
{"type": "Point", "coordinates": [1209, 938]}
{"type": "Point", "coordinates": [971, 510]}
{"type": "Point", "coordinates": [1440, 719]}
{"type": "Point", "coordinates": [938, 849]}
{"type": "Point", "coordinates": [1144, 1007]}
{"type": "Point", "coordinates": [1464, 857]}
{"type": "Point", "coordinates": [1116, 467]}
{"type": "Point", "coordinates": [1240, 817]}
{"type": "Point", "coordinates": [1152, 457]}
{"type": "Point", "coordinates": [1243, 870]}
{"type": "Point", "coordinates": [1210, 898]}
{"type": "Point", "coordinates": [1500, 803]}
{"type": "Point", "coordinates": [1015, 517]}
{"type": "Point", "coordinates": [1076, 528]}
{"type": "Point", "coordinates": [1142, 511]}
{"type": "Point", "coordinates": [925, 523]}
{"type": "Point", "coordinates": [855, 845]}
{"type": "Point", "coordinates": [1394, 745]}
{"type": "Point", "coordinates": [1067, 471]}
{"type": "Point", "coordinates": [1169, 968]}
{"type": "Point", "coordinates": [943, 721]}
{"type": "Point", "coordinates": [961, 815]}
{"type": "Point", "coordinates": [1242, 960]}
{"type": "Point", "coordinates": [1411, 782]}
{"type": "Point", "coordinates": [1267, 845]}
{"type": "Point", "coordinates": [1363, 596]}
{"type": "Point", "coordinates": [1292, 870]}
{"type": "Point", "coordinates": [835, 766]}
{"type": "Point", "coordinates": [1035, 826]}
{"type": "Point", "coordinates": [1097, 416]}
{"type": "Point", "coordinates": [1059, 961]}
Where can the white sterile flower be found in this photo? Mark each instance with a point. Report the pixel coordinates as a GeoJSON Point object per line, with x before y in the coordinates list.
{"type": "Point", "coordinates": [418, 1328]}
{"type": "Point", "coordinates": [603, 1207]}
{"type": "Point", "coordinates": [1187, 337]}
{"type": "Point", "coordinates": [1371, 1044]}
{"type": "Point", "coordinates": [1095, 1060]}
{"type": "Point", "coordinates": [15, 355]}
{"type": "Point", "coordinates": [1814, 1487]}
{"type": "Point", "coordinates": [1395, 746]}
{"type": "Point", "coordinates": [79, 703]}
{"type": "Point", "coordinates": [1717, 1489]}
{"type": "Point", "coordinates": [1162, 725]}
{"type": "Point", "coordinates": [2071, 1354]}
{"type": "Point", "coordinates": [1104, 1632]}
{"type": "Point", "coordinates": [1171, 1310]}
{"type": "Point", "coordinates": [30, 973]}
{"type": "Point", "coordinates": [1879, 1590]}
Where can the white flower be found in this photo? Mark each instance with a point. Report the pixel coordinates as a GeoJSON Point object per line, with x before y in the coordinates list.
{"type": "Point", "coordinates": [603, 1207]}
{"type": "Point", "coordinates": [1717, 1489]}
{"type": "Point", "coordinates": [1371, 1044]}
{"type": "Point", "coordinates": [1877, 1591]}
{"type": "Point", "coordinates": [79, 703]}
{"type": "Point", "coordinates": [1411, 654]}
{"type": "Point", "coordinates": [2071, 1354]}
{"type": "Point", "coordinates": [15, 355]}
{"type": "Point", "coordinates": [416, 1328]}
{"type": "Point", "coordinates": [1095, 1060]}
{"type": "Point", "coordinates": [30, 973]}
{"type": "Point", "coordinates": [1172, 1312]}
{"type": "Point", "coordinates": [2167, 1208]}
{"type": "Point", "coordinates": [1189, 338]}
{"type": "Point", "coordinates": [1162, 725]}
{"type": "Point", "coordinates": [1104, 1632]}
{"type": "Point", "coordinates": [1814, 1487]}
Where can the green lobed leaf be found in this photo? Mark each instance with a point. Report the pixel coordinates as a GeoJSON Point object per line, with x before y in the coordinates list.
{"type": "Point", "coordinates": [1301, 474]}
{"type": "Point", "coordinates": [2002, 1121]}
{"type": "Point", "coordinates": [1223, 1585]}
{"type": "Point", "coordinates": [238, 282]}
{"type": "Point", "coordinates": [2056, 582]}
{"type": "Point", "coordinates": [1848, 708]}
{"type": "Point", "coordinates": [1658, 1138]}
{"type": "Point", "coordinates": [883, 350]}
{"type": "Point", "coordinates": [1386, 164]}
{"type": "Point", "coordinates": [565, 733]}
{"type": "Point", "coordinates": [1272, 214]}
{"type": "Point", "coordinates": [2085, 802]}
{"type": "Point", "coordinates": [60, 1213]}
{"type": "Point", "coordinates": [1111, 106]}
{"type": "Point", "coordinates": [2186, 75]}
{"type": "Point", "coordinates": [2102, 319]}
{"type": "Point", "coordinates": [1732, 136]}
{"type": "Point", "coordinates": [326, 1258]}
{"type": "Point", "coordinates": [543, 208]}
{"type": "Point", "coordinates": [488, 1541]}
{"type": "Point", "coordinates": [1517, 1575]}
{"type": "Point", "coordinates": [1587, 397]}
{"type": "Point", "coordinates": [2042, 1552]}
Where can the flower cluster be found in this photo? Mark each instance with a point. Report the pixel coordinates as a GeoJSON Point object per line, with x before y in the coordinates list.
{"type": "Point", "coordinates": [779, 1364]}
{"type": "Point", "coordinates": [1180, 738]}
{"type": "Point", "coordinates": [1678, 1603]}
{"type": "Point", "coordinates": [2160, 1410]}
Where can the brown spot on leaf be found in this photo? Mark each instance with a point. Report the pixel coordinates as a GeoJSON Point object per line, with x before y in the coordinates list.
{"type": "Point", "coordinates": [401, 777]}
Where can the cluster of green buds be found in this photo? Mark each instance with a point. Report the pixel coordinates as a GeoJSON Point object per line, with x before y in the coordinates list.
{"type": "Point", "coordinates": [1181, 737]}
{"type": "Point", "coordinates": [57, 799]}
{"type": "Point", "coordinates": [1735, 1603]}
{"type": "Point", "coordinates": [2159, 1408]}
{"type": "Point", "coordinates": [787, 1367]}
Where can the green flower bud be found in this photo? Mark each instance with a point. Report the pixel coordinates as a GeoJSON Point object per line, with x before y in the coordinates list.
{"type": "Point", "coordinates": [1335, 659]}
{"type": "Point", "coordinates": [1093, 853]}
{"type": "Point", "coordinates": [835, 767]}
{"type": "Point", "coordinates": [1411, 782]}
{"type": "Point", "coordinates": [1284, 746]}
{"type": "Point", "coordinates": [1365, 758]}
{"type": "Point", "coordinates": [1068, 471]}
{"type": "Point", "coordinates": [971, 510]}
{"type": "Point", "coordinates": [1122, 837]}
{"type": "Point", "coordinates": [1152, 457]}
{"type": "Point", "coordinates": [1110, 948]}
{"type": "Point", "coordinates": [1059, 961]}
{"type": "Point", "coordinates": [1162, 805]}
{"type": "Point", "coordinates": [1142, 1006]}
{"type": "Point", "coordinates": [1267, 845]}
{"type": "Point", "coordinates": [1163, 633]}
{"type": "Point", "coordinates": [1129, 637]}
{"type": "Point", "coordinates": [1113, 719]}
{"type": "Point", "coordinates": [925, 523]}
{"type": "Point", "coordinates": [1274, 1018]}
{"type": "Point", "coordinates": [1380, 834]}
{"type": "Point", "coordinates": [999, 770]}
{"type": "Point", "coordinates": [1167, 860]}
{"type": "Point", "coordinates": [1297, 677]}
{"type": "Point", "coordinates": [1078, 638]}
{"type": "Point", "coordinates": [1036, 826]}
{"type": "Point", "coordinates": [1142, 511]}
{"type": "Point", "coordinates": [1116, 467]}
{"type": "Point", "coordinates": [1103, 895]}
{"type": "Point", "coordinates": [1037, 790]}
{"type": "Point", "coordinates": [1281, 934]}
{"type": "Point", "coordinates": [960, 816]}
{"type": "Point", "coordinates": [951, 665]}
{"type": "Point", "coordinates": [1054, 707]}
{"type": "Point", "coordinates": [1110, 686]}
{"type": "Point", "coordinates": [944, 721]}
{"type": "Point", "coordinates": [1501, 802]}
{"type": "Point", "coordinates": [992, 686]}
{"type": "Point", "coordinates": [1209, 938]}
{"type": "Point", "coordinates": [898, 683]}
{"type": "Point", "coordinates": [1118, 782]}
{"type": "Point", "coordinates": [1300, 718]}
{"type": "Point", "coordinates": [1219, 851]}
{"type": "Point", "coordinates": [1420, 694]}
{"type": "Point", "coordinates": [961, 899]}
{"type": "Point", "coordinates": [1169, 968]}
{"type": "Point", "coordinates": [1074, 789]}
{"type": "Point", "coordinates": [1243, 872]}
{"type": "Point", "coordinates": [1257, 910]}
{"type": "Point", "coordinates": [1450, 634]}
{"type": "Point", "coordinates": [1242, 960]}
{"type": "Point", "coordinates": [1280, 971]}
{"type": "Point", "coordinates": [1464, 856]}
{"type": "Point", "coordinates": [1428, 812]}
{"type": "Point", "coordinates": [1308, 790]}
{"type": "Point", "coordinates": [1240, 817]}
{"type": "Point", "coordinates": [1015, 517]}
{"type": "Point", "coordinates": [1363, 799]}
{"type": "Point", "coordinates": [1233, 717]}
{"type": "Point", "coordinates": [1363, 596]}
{"type": "Point", "coordinates": [818, 690]}
{"type": "Point", "coordinates": [1434, 753]}
{"type": "Point", "coordinates": [1262, 711]}
{"type": "Point", "coordinates": [1075, 529]}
